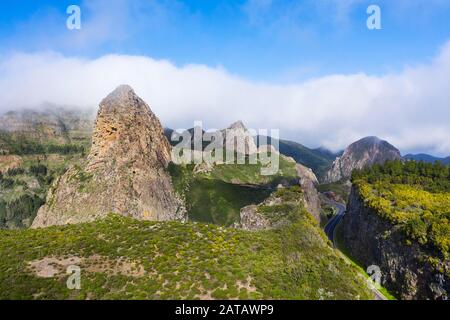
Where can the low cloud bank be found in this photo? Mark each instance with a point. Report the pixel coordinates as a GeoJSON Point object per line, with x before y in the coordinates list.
{"type": "Point", "coordinates": [411, 109]}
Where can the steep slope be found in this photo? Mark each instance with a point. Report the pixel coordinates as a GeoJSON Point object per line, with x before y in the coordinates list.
{"type": "Point", "coordinates": [216, 196]}
{"type": "Point", "coordinates": [24, 183]}
{"type": "Point", "coordinates": [362, 153]}
{"type": "Point", "coordinates": [122, 258]}
{"type": "Point", "coordinates": [319, 160]}
{"type": "Point", "coordinates": [125, 171]}
{"type": "Point", "coordinates": [308, 183]}
{"type": "Point", "coordinates": [403, 228]}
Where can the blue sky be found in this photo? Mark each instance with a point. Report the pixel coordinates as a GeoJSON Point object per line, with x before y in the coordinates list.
{"type": "Point", "coordinates": [310, 68]}
{"type": "Point", "coordinates": [267, 40]}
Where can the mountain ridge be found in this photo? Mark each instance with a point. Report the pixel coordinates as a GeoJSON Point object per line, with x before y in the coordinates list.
{"type": "Point", "coordinates": [426, 158]}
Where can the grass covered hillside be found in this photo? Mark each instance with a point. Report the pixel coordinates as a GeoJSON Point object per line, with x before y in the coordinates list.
{"type": "Point", "coordinates": [415, 197]}
{"type": "Point", "coordinates": [28, 165]}
{"type": "Point", "coordinates": [250, 174]}
{"type": "Point", "coordinates": [24, 182]}
{"type": "Point", "coordinates": [122, 258]}
{"type": "Point", "coordinates": [218, 195]}
{"type": "Point", "coordinates": [319, 160]}
{"type": "Point", "coordinates": [21, 144]}
{"type": "Point", "coordinates": [35, 148]}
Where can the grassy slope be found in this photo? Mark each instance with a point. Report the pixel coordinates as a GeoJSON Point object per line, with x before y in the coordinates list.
{"type": "Point", "coordinates": [181, 260]}
{"type": "Point", "coordinates": [22, 194]}
{"type": "Point", "coordinates": [317, 160]}
{"type": "Point", "coordinates": [251, 173]}
{"type": "Point", "coordinates": [218, 202]}
{"type": "Point", "coordinates": [218, 196]}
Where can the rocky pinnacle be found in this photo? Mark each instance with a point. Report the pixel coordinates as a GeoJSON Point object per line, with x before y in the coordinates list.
{"type": "Point", "coordinates": [125, 171]}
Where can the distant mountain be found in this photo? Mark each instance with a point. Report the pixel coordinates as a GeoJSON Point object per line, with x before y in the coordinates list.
{"type": "Point", "coordinates": [236, 129]}
{"type": "Point", "coordinates": [49, 123]}
{"type": "Point", "coordinates": [362, 153]}
{"type": "Point", "coordinates": [319, 160]}
{"type": "Point", "coordinates": [426, 158]}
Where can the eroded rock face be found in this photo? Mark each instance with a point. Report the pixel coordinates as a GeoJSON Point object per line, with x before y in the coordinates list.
{"type": "Point", "coordinates": [365, 152]}
{"type": "Point", "coordinates": [125, 171]}
{"type": "Point", "coordinates": [308, 182]}
{"type": "Point", "coordinates": [405, 269]}
{"type": "Point", "coordinates": [8, 162]}
{"type": "Point", "coordinates": [252, 220]}
{"type": "Point", "coordinates": [235, 133]}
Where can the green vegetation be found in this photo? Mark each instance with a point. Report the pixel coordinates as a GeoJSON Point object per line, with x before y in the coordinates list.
{"type": "Point", "coordinates": [212, 200]}
{"type": "Point", "coordinates": [433, 177]}
{"type": "Point", "coordinates": [251, 173]}
{"type": "Point", "coordinates": [329, 211]}
{"type": "Point", "coordinates": [27, 146]}
{"type": "Point", "coordinates": [316, 159]}
{"type": "Point", "coordinates": [413, 196]}
{"type": "Point", "coordinates": [217, 196]}
{"type": "Point", "coordinates": [172, 260]}
{"type": "Point", "coordinates": [22, 192]}
{"type": "Point", "coordinates": [23, 189]}
{"type": "Point", "coordinates": [288, 210]}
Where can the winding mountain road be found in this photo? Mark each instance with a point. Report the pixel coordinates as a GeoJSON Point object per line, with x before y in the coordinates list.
{"type": "Point", "coordinates": [332, 224]}
{"type": "Point", "coordinates": [330, 232]}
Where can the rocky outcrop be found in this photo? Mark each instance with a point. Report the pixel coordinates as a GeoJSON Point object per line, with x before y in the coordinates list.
{"type": "Point", "coordinates": [308, 182]}
{"type": "Point", "coordinates": [8, 162]}
{"type": "Point", "coordinates": [238, 138]}
{"type": "Point", "coordinates": [252, 220]}
{"type": "Point", "coordinates": [125, 171]}
{"type": "Point", "coordinates": [406, 269]}
{"type": "Point", "coordinates": [282, 208]}
{"type": "Point", "coordinates": [365, 152]}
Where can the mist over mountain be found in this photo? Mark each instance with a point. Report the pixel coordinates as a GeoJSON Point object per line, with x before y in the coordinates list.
{"type": "Point", "coordinates": [306, 111]}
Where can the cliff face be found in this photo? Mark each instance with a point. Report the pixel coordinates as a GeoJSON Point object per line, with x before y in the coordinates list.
{"type": "Point", "coordinates": [238, 132]}
{"type": "Point", "coordinates": [125, 171]}
{"type": "Point", "coordinates": [308, 182]}
{"type": "Point", "coordinates": [362, 153]}
{"type": "Point", "coordinates": [406, 269]}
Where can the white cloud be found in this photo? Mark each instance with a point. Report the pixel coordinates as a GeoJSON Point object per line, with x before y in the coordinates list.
{"type": "Point", "coordinates": [411, 108]}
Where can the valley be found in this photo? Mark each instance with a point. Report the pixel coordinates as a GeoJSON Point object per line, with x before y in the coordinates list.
{"type": "Point", "coordinates": [123, 258]}
{"type": "Point", "coordinates": [106, 195]}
